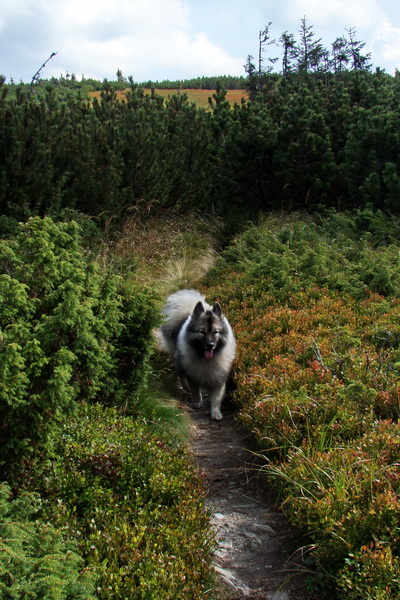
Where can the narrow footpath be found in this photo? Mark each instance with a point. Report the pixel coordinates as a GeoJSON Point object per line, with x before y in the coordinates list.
{"type": "Point", "coordinates": [255, 542]}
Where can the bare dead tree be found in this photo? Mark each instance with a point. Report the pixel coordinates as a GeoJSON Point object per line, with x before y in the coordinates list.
{"type": "Point", "coordinates": [36, 76]}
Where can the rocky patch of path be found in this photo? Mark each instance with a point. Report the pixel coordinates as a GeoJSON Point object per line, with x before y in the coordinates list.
{"type": "Point", "coordinates": [254, 540]}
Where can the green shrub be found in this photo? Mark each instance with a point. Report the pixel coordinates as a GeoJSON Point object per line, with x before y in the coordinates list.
{"type": "Point", "coordinates": [295, 253]}
{"type": "Point", "coordinates": [371, 574]}
{"type": "Point", "coordinates": [35, 560]}
{"type": "Point", "coordinates": [347, 500]}
{"type": "Point", "coordinates": [136, 505]}
{"type": "Point", "coordinates": [67, 331]}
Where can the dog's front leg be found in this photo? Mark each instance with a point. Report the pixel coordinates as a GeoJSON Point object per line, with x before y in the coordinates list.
{"type": "Point", "coordinates": [216, 397]}
{"type": "Point", "coordinates": [197, 399]}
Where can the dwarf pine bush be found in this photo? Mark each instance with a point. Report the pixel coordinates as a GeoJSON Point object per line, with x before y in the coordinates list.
{"type": "Point", "coordinates": [67, 333]}
{"type": "Point", "coordinates": [35, 561]}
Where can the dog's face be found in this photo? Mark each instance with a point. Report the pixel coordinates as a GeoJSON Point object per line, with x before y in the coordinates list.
{"type": "Point", "coordinates": [207, 331]}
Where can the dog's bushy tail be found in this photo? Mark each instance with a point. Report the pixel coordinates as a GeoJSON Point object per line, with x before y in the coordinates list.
{"type": "Point", "coordinates": [177, 309]}
{"type": "Point", "coordinates": [182, 303]}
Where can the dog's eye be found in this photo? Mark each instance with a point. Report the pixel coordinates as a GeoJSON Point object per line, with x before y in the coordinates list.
{"type": "Point", "coordinates": [216, 331]}
{"type": "Point", "coordinates": [202, 331]}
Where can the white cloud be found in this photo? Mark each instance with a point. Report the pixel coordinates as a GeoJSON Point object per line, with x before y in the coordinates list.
{"type": "Point", "coordinates": [385, 44]}
{"type": "Point", "coordinates": [356, 13]}
{"type": "Point", "coordinates": [148, 39]}
{"type": "Point", "coordinates": [174, 39]}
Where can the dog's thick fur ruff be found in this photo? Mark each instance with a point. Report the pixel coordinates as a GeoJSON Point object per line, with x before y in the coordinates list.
{"type": "Point", "coordinates": [201, 341]}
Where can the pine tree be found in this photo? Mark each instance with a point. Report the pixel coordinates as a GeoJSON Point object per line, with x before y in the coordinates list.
{"type": "Point", "coordinates": [359, 62]}
{"type": "Point", "coordinates": [290, 52]}
{"type": "Point", "coordinates": [340, 54]}
{"type": "Point", "coordinates": [304, 163]}
{"type": "Point", "coordinates": [306, 46]}
{"type": "Point", "coordinates": [252, 77]}
{"type": "Point", "coordinates": [264, 39]}
{"type": "Point", "coordinates": [310, 51]}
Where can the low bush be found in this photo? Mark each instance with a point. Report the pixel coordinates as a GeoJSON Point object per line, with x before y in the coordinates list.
{"type": "Point", "coordinates": [315, 308]}
{"type": "Point", "coordinates": [348, 497]}
{"type": "Point", "coordinates": [135, 504]}
{"type": "Point", "coordinates": [373, 573]}
{"type": "Point", "coordinates": [292, 253]}
{"type": "Point", "coordinates": [68, 331]}
{"type": "Point", "coordinates": [36, 560]}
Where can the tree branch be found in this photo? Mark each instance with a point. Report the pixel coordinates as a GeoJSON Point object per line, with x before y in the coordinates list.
{"type": "Point", "coordinates": [37, 74]}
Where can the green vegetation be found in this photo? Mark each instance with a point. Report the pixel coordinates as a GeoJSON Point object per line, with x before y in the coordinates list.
{"type": "Point", "coordinates": [134, 502]}
{"type": "Point", "coordinates": [35, 560]}
{"type": "Point", "coordinates": [68, 333]}
{"type": "Point", "coordinates": [228, 82]}
{"type": "Point", "coordinates": [84, 429]}
{"type": "Point", "coordinates": [315, 306]}
{"type": "Point", "coordinates": [304, 142]}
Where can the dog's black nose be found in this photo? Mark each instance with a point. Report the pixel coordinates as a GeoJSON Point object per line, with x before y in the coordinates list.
{"type": "Point", "coordinates": [210, 346]}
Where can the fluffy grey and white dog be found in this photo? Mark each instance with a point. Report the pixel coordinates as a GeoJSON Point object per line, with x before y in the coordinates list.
{"type": "Point", "coordinates": [201, 341]}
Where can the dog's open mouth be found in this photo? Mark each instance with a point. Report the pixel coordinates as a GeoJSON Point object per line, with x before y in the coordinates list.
{"type": "Point", "coordinates": [209, 354]}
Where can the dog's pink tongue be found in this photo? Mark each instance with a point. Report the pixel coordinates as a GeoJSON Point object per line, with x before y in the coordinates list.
{"type": "Point", "coordinates": [209, 354]}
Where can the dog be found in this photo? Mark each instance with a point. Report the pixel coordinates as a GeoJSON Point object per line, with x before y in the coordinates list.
{"type": "Point", "coordinates": [200, 340]}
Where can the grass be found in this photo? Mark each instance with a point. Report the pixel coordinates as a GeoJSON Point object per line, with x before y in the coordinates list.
{"type": "Point", "coordinates": [167, 251]}
{"type": "Point", "coordinates": [159, 405]}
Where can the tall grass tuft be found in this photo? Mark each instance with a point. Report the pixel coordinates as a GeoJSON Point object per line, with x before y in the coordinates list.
{"type": "Point", "coordinates": [162, 248]}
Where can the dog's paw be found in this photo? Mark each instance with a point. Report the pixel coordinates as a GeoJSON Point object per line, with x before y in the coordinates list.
{"type": "Point", "coordinates": [216, 414]}
{"type": "Point", "coordinates": [197, 404]}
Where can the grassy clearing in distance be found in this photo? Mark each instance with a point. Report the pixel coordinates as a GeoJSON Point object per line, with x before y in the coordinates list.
{"type": "Point", "coordinates": [199, 97]}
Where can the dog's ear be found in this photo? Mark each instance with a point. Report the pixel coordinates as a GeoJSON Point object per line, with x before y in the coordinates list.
{"type": "Point", "coordinates": [217, 310]}
{"type": "Point", "coordinates": [198, 309]}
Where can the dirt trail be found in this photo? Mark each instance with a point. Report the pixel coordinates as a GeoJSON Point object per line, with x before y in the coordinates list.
{"type": "Point", "coordinates": [254, 539]}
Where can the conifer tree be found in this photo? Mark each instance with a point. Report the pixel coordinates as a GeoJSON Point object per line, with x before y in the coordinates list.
{"type": "Point", "coordinates": [252, 78]}
{"type": "Point", "coordinates": [309, 50]}
{"type": "Point", "coordinates": [340, 54]}
{"type": "Point", "coordinates": [359, 62]}
{"type": "Point", "coordinates": [290, 52]}
{"type": "Point", "coordinates": [304, 163]}
{"type": "Point", "coordinates": [264, 39]}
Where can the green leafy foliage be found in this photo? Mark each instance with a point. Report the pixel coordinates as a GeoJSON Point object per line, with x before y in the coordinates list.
{"type": "Point", "coordinates": [306, 140]}
{"type": "Point", "coordinates": [68, 332]}
{"type": "Point", "coordinates": [36, 561]}
{"type": "Point", "coordinates": [373, 573]}
{"type": "Point", "coordinates": [134, 502]}
{"type": "Point", "coordinates": [75, 338]}
{"type": "Point", "coordinates": [315, 307]}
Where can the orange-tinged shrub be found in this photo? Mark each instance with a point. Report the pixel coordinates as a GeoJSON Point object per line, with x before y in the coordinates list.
{"type": "Point", "coordinates": [316, 375]}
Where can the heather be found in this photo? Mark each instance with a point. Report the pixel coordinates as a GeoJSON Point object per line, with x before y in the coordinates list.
{"type": "Point", "coordinates": [315, 306]}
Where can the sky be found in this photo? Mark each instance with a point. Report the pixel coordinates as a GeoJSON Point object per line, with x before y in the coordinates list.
{"type": "Point", "coordinates": [177, 39]}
